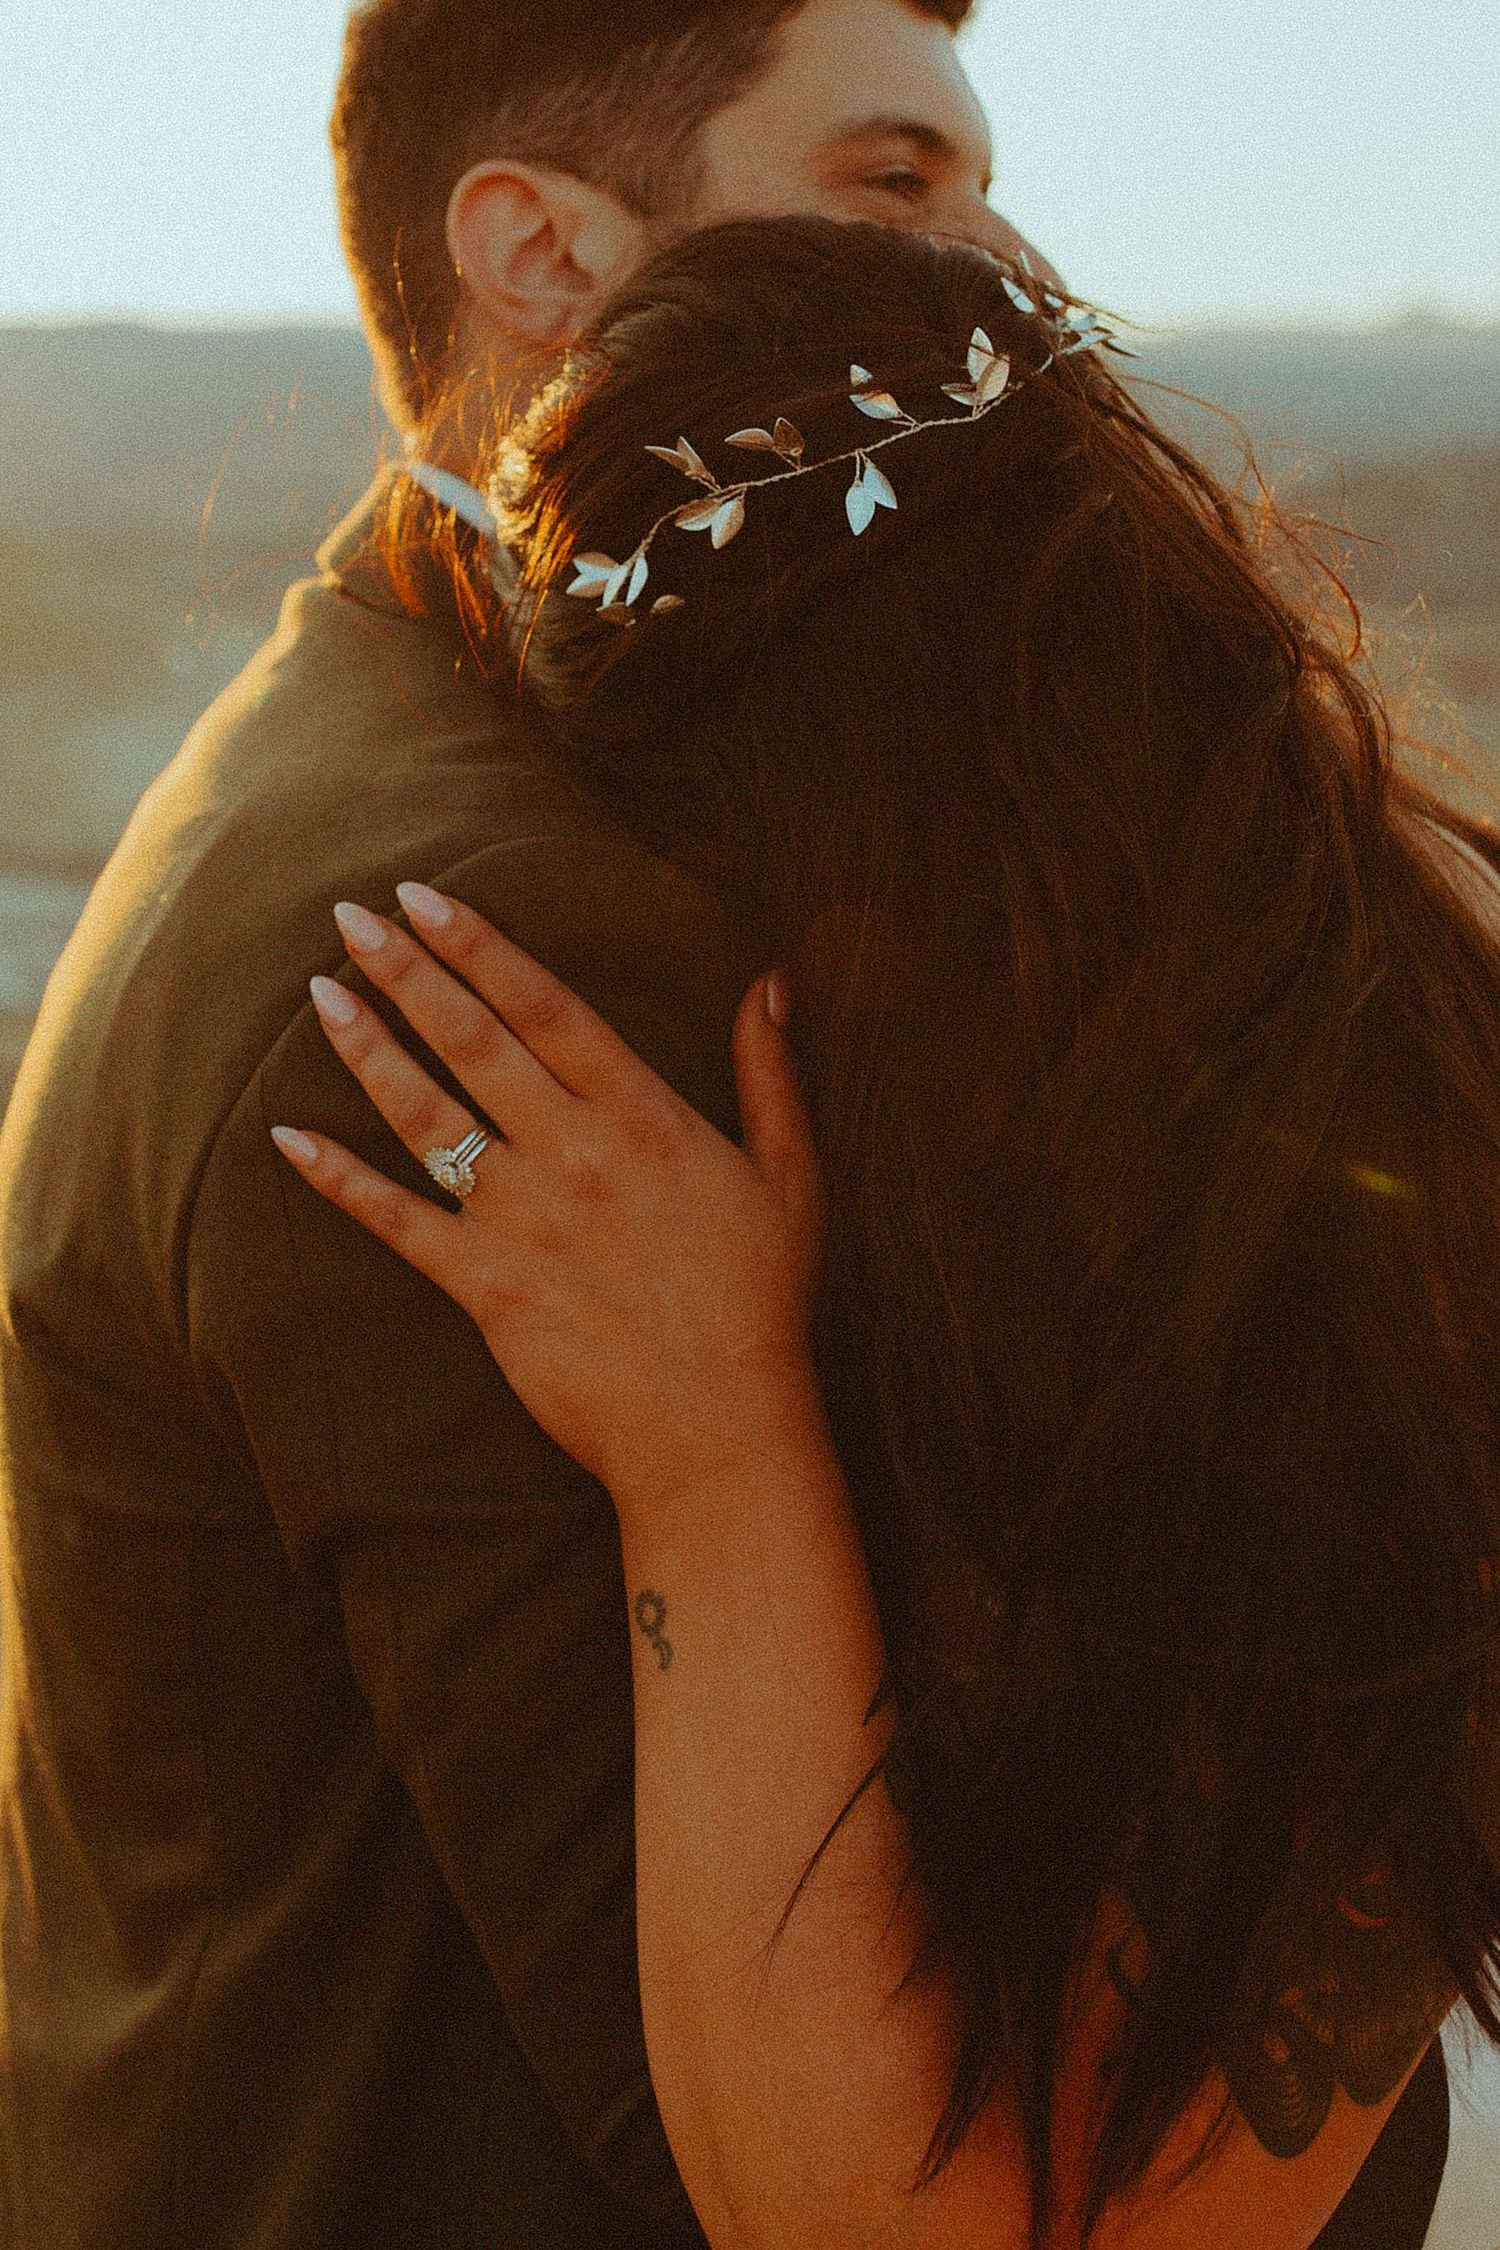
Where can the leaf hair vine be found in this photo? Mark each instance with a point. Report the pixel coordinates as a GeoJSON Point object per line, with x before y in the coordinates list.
{"type": "Point", "coordinates": [617, 586]}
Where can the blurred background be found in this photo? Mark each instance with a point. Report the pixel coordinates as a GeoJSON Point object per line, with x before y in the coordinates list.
{"type": "Point", "coordinates": [1296, 202]}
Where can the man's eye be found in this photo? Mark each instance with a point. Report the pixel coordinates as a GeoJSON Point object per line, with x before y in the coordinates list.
{"type": "Point", "coordinates": [901, 183]}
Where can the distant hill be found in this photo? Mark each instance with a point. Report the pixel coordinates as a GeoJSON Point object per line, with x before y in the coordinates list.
{"type": "Point", "coordinates": [183, 478]}
{"type": "Point", "coordinates": [1436, 517]}
{"type": "Point", "coordinates": [1415, 385]}
{"type": "Point", "coordinates": [115, 427]}
{"type": "Point", "coordinates": [223, 443]}
{"type": "Point", "coordinates": [160, 488]}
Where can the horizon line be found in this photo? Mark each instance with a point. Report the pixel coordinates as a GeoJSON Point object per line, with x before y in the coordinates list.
{"type": "Point", "coordinates": [1408, 313]}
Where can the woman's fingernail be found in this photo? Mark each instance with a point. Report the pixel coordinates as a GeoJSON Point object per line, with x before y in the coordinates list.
{"type": "Point", "coordinates": [365, 932]}
{"type": "Point", "coordinates": [332, 1002]}
{"type": "Point", "coordinates": [425, 905]}
{"type": "Point", "coordinates": [294, 1144]}
{"type": "Point", "coordinates": [778, 999]}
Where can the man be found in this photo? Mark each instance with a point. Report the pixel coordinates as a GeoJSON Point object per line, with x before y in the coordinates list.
{"type": "Point", "coordinates": [316, 1873]}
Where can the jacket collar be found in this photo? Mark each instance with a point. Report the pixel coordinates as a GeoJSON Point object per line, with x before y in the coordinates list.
{"type": "Point", "coordinates": [352, 553]}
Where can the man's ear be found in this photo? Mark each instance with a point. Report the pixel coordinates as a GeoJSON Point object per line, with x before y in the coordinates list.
{"type": "Point", "coordinates": [538, 250]}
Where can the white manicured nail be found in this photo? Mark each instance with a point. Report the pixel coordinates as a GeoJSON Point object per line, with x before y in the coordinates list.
{"type": "Point", "coordinates": [424, 905]}
{"type": "Point", "coordinates": [294, 1144]}
{"type": "Point", "coordinates": [364, 932]}
{"type": "Point", "coordinates": [332, 1002]}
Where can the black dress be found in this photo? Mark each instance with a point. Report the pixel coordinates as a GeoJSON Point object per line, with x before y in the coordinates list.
{"type": "Point", "coordinates": [1390, 2205]}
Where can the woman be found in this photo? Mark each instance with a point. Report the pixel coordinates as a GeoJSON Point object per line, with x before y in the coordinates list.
{"type": "Point", "coordinates": [1081, 1413]}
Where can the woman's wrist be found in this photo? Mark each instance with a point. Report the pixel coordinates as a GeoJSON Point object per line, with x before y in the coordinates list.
{"type": "Point", "coordinates": [770, 1433]}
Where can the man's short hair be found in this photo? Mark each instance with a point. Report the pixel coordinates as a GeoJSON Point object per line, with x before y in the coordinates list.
{"type": "Point", "coordinates": [615, 92]}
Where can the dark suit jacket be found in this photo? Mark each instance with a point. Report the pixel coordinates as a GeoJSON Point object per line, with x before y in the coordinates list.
{"type": "Point", "coordinates": [316, 1859]}
{"type": "Point", "coordinates": [317, 1845]}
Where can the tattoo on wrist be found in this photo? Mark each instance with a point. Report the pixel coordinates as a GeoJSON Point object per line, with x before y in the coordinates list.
{"type": "Point", "coordinates": [651, 1617]}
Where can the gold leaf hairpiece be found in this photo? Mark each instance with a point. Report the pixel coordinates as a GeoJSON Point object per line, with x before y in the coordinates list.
{"type": "Point", "coordinates": [617, 586]}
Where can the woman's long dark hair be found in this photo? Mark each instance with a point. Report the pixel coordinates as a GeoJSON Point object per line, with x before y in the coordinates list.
{"type": "Point", "coordinates": [1154, 1062]}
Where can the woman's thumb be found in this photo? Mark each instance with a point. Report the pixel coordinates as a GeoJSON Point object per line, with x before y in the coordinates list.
{"type": "Point", "coordinates": [778, 1131]}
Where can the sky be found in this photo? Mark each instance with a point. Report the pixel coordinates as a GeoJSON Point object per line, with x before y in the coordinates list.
{"type": "Point", "coordinates": [1179, 160]}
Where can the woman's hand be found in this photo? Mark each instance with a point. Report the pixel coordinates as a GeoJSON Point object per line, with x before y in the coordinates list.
{"type": "Point", "coordinates": [645, 1285]}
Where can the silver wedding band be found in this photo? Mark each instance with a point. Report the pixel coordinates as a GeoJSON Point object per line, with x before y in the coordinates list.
{"type": "Point", "coordinates": [453, 1168]}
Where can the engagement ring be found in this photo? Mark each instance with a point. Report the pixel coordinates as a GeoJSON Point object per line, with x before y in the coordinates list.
{"type": "Point", "coordinates": [453, 1168]}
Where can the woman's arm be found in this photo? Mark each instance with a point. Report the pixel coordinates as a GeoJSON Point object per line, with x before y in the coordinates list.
{"type": "Point", "coordinates": [797, 2102]}
{"type": "Point", "coordinates": [798, 2105]}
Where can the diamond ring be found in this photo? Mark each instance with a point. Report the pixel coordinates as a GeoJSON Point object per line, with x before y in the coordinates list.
{"type": "Point", "coordinates": [453, 1168]}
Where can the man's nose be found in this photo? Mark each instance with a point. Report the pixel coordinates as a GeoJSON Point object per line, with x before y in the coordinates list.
{"type": "Point", "coordinates": [994, 233]}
